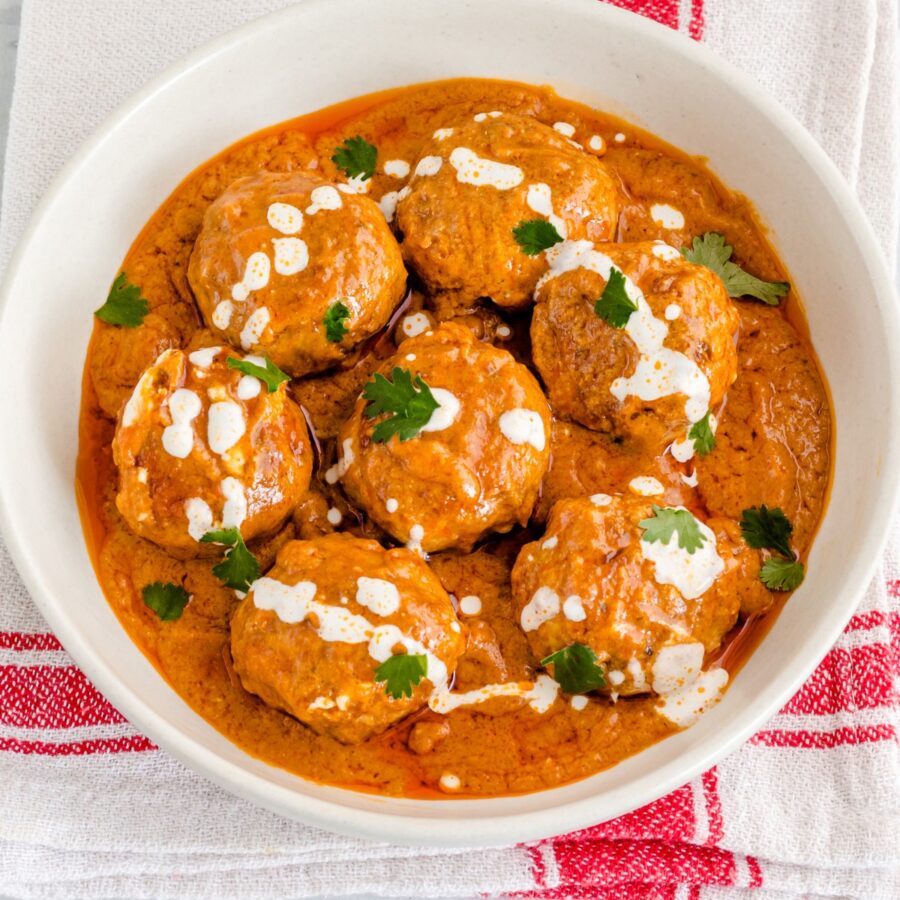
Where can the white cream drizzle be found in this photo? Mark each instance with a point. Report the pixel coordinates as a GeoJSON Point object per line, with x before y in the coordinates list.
{"type": "Point", "coordinates": [359, 184]}
{"type": "Point", "coordinates": [646, 486]}
{"type": "Point", "coordinates": [473, 169]}
{"type": "Point", "coordinates": [388, 204]}
{"type": "Point", "coordinates": [204, 357]}
{"type": "Point", "coordinates": [667, 216]}
{"type": "Point", "coordinates": [523, 426]}
{"type": "Point", "coordinates": [564, 128]}
{"type": "Point", "coordinates": [339, 469]}
{"type": "Point", "coordinates": [178, 438]}
{"type": "Point", "coordinates": [690, 480]}
{"type": "Point", "coordinates": [291, 255]}
{"type": "Point", "coordinates": [446, 413]}
{"type": "Point", "coordinates": [254, 327]}
{"type": "Point", "coordinates": [550, 543]}
{"type": "Point", "coordinates": [470, 605]}
{"type": "Point", "coordinates": [691, 574]}
{"type": "Point", "coordinates": [199, 516]}
{"type": "Point", "coordinates": [600, 499]}
{"type": "Point", "coordinates": [392, 505]}
{"type": "Point", "coordinates": [540, 199]}
{"type": "Point", "coordinates": [578, 702]}
{"type": "Point", "coordinates": [396, 168]}
{"type": "Point", "coordinates": [663, 251]}
{"type": "Point", "coordinates": [539, 694]}
{"type": "Point", "coordinates": [542, 607]}
{"type": "Point", "coordinates": [596, 143]}
{"type": "Point", "coordinates": [235, 509]}
{"type": "Point", "coordinates": [573, 609]}
{"type": "Point", "coordinates": [256, 277]}
{"type": "Point", "coordinates": [442, 134]}
{"type": "Point", "coordinates": [285, 218]}
{"type": "Point", "coordinates": [450, 782]}
{"type": "Point", "coordinates": [672, 312]}
{"type": "Point", "coordinates": [686, 704]}
{"type": "Point", "coordinates": [324, 197]}
{"type": "Point", "coordinates": [135, 404]}
{"type": "Point", "coordinates": [378, 595]}
{"type": "Point", "coordinates": [483, 116]}
{"type": "Point", "coordinates": [222, 314]}
{"type": "Point", "coordinates": [429, 165]}
{"type": "Point", "coordinates": [225, 425]}
{"type": "Point", "coordinates": [248, 387]}
{"type": "Point", "coordinates": [676, 665]}
{"type": "Point", "coordinates": [415, 323]}
{"type": "Point", "coordinates": [334, 516]}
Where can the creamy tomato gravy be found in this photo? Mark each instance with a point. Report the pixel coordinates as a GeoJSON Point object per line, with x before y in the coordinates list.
{"type": "Point", "coordinates": [773, 447]}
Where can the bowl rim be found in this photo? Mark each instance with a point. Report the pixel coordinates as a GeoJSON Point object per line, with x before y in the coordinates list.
{"type": "Point", "coordinates": [496, 829]}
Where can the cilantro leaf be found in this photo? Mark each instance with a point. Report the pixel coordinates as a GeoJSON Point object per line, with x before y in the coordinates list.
{"type": "Point", "coordinates": [667, 521]}
{"type": "Point", "coordinates": [124, 304]}
{"type": "Point", "coordinates": [166, 600]}
{"type": "Point", "coordinates": [271, 376]}
{"type": "Point", "coordinates": [536, 235]}
{"type": "Point", "coordinates": [401, 673]}
{"type": "Point", "coordinates": [357, 157]}
{"type": "Point", "coordinates": [712, 251]}
{"type": "Point", "coordinates": [614, 305]}
{"type": "Point", "coordinates": [703, 436]}
{"type": "Point", "coordinates": [335, 329]}
{"type": "Point", "coordinates": [240, 568]}
{"type": "Point", "coordinates": [575, 669]}
{"type": "Point", "coordinates": [781, 574]}
{"type": "Point", "coordinates": [409, 404]}
{"type": "Point", "coordinates": [768, 529]}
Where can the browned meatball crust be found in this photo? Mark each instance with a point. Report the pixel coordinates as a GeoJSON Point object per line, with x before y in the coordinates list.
{"type": "Point", "coordinates": [277, 251]}
{"type": "Point", "coordinates": [199, 446]}
{"type": "Point", "coordinates": [477, 464]}
{"type": "Point", "coordinates": [671, 362]}
{"type": "Point", "coordinates": [644, 608]}
{"type": "Point", "coordinates": [310, 635]}
{"type": "Point", "coordinates": [476, 182]}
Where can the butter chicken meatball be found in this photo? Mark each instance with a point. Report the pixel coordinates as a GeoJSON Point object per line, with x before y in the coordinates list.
{"type": "Point", "coordinates": [471, 462]}
{"type": "Point", "coordinates": [650, 598]}
{"type": "Point", "coordinates": [319, 634]}
{"type": "Point", "coordinates": [475, 183]}
{"type": "Point", "coordinates": [278, 253]}
{"type": "Point", "coordinates": [645, 356]}
{"type": "Point", "coordinates": [201, 446]}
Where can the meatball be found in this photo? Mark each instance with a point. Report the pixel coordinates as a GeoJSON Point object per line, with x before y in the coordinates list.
{"type": "Point", "coordinates": [200, 446]}
{"type": "Point", "coordinates": [652, 377]}
{"type": "Point", "coordinates": [475, 183]}
{"type": "Point", "coordinates": [278, 252]}
{"type": "Point", "coordinates": [310, 637]}
{"type": "Point", "coordinates": [476, 464]}
{"type": "Point", "coordinates": [649, 610]}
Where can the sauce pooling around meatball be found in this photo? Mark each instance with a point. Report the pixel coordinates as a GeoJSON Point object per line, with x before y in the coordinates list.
{"type": "Point", "coordinates": [499, 445]}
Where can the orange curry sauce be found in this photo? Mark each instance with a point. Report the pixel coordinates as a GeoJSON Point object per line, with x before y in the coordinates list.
{"type": "Point", "coordinates": [774, 448]}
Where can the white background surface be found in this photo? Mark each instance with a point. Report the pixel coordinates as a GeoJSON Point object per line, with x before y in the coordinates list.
{"type": "Point", "coordinates": [9, 20]}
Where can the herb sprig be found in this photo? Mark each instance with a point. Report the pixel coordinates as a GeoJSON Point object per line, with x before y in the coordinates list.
{"type": "Point", "coordinates": [770, 529]}
{"type": "Point", "coordinates": [703, 436]}
{"type": "Point", "coordinates": [335, 326]}
{"type": "Point", "coordinates": [401, 673]}
{"type": "Point", "coordinates": [575, 669]}
{"type": "Point", "coordinates": [167, 600]}
{"type": "Point", "coordinates": [711, 251]}
{"type": "Point", "coordinates": [536, 235]}
{"type": "Point", "coordinates": [615, 306]}
{"type": "Point", "coordinates": [408, 401]}
{"type": "Point", "coordinates": [357, 157]}
{"type": "Point", "coordinates": [240, 568]}
{"type": "Point", "coordinates": [270, 375]}
{"type": "Point", "coordinates": [667, 521]}
{"type": "Point", "coordinates": [124, 305]}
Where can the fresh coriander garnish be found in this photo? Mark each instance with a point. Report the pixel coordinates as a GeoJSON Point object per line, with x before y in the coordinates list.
{"type": "Point", "coordinates": [240, 568]}
{"type": "Point", "coordinates": [357, 157]}
{"type": "Point", "coordinates": [575, 669]}
{"type": "Point", "coordinates": [270, 375]}
{"type": "Point", "coordinates": [124, 305]}
{"type": "Point", "coordinates": [667, 521]}
{"type": "Point", "coordinates": [767, 529]}
{"type": "Point", "coordinates": [401, 673]}
{"type": "Point", "coordinates": [335, 328]}
{"type": "Point", "coordinates": [167, 600]}
{"type": "Point", "coordinates": [614, 305]}
{"type": "Point", "coordinates": [712, 251]}
{"type": "Point", "coordinates": [702, 435]}
{"type": "Point", "coordinates": [770, 529]}
{"type": "Point", "coordinates": [781, 574]}
{"type": "Point", "coordinates": [409, 403]}
{"type": "Point", "coordinates": [535, 236]}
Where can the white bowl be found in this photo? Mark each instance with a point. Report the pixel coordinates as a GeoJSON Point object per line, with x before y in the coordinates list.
{"type": "Point", "coordinates": [323, 51]}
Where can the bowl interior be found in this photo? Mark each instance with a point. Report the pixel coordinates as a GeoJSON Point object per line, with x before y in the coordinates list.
{"type": "Point", "coordinates": [258, 76]}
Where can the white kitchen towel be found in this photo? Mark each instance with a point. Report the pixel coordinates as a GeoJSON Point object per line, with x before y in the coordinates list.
{"type": "Point", "coordinates": [810, 806]}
